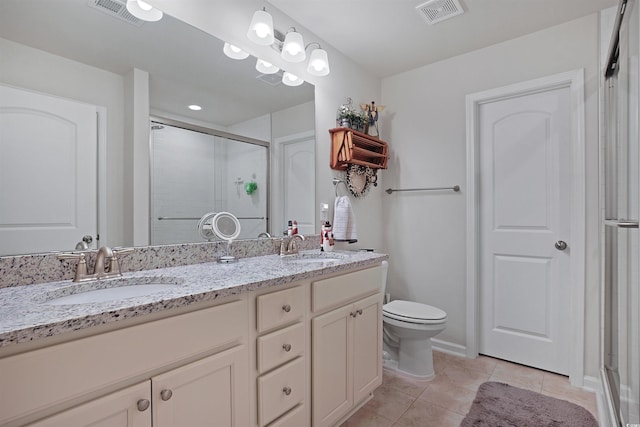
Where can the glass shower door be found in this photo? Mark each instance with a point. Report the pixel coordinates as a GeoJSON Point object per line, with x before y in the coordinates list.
{"type": "Point", "coordinates": [621, 240]}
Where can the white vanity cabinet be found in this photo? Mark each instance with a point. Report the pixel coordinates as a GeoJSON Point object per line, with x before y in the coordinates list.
{"type": "Point", "coordinates": [347, 343]}
{"type": "Point", "coordinates": [202, 393]}
{"type": "Point", "coordinates": [299, 354]}
{"type": "Point", "coordinates": [196, 364]}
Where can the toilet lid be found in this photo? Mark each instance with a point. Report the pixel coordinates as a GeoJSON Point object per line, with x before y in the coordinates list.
{"type": "Point", "coordinates": [410, 311]}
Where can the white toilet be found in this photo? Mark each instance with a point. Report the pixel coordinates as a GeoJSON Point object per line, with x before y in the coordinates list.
{"type": "Point", "coordinates": [408, 328]}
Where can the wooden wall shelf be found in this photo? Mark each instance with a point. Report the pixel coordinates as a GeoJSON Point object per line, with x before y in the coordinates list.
{"type": "Point", "coordinates": [350, 146]}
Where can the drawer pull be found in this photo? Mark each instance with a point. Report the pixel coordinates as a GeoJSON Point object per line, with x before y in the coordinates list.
{"type": "Point", "coordinates": [166, 394]}
{"type": "Point", "coordinates": [143, 404]}
{"type": "Point", "coordinates": [287, 347]}
{"type": "Point", "coordinates": [287, 390]}
{"type": "Point", "coordinates": [286, 308]}
{"type": "Point", "coordinates": [359, 311]}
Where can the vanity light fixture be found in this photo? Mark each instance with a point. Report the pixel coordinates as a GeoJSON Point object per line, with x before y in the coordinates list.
{"type": "Point", "coordinates": [143, 10]}
{"type": "Point", "coordinates": [293, 47]}
{"type": "Point", "coordinates": [266, 67]}
{"type": "Point", "coordinates": [318, 62]}
{"type": "Point", "coordinates": [261, 28]}
{"type": "Point", "coordinates": [291, 79]}
{"type": "Point", "coordinates": [234, 52]}
{"type": "Point", "coordinates": [195, 107]}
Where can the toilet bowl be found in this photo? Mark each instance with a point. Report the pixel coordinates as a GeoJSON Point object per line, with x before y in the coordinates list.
{"type": "Point", "coordinates": [408, 328]}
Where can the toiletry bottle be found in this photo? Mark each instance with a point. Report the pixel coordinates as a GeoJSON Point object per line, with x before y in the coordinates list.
{"type": "Point", "coordinates": [295, 227]}
{"type": "Point", "coordinates": [290, 229]}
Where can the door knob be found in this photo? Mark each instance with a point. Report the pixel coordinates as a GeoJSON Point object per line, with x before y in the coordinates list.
{"type": "Point", "coordinates": [561, 245]}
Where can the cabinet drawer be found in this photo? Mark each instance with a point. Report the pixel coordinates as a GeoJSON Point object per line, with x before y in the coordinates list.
{"type": "Point", "coordinates": [295, 418]}
{"type": "Point", "coordinates": [279, 308]}
{"type": "Point", "coordinates": [280, 390]}
{"type": "Point", "coordinates": [339, 290]}
{"type": "Point", "coordinates": [280, 346]}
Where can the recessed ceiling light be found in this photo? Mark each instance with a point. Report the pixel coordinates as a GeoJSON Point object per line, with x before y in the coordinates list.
{"type": "Point", "coordinates": [195, 107]}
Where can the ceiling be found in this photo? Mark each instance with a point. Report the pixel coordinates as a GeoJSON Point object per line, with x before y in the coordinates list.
{"type": "Point", "coordinates": [186, 66]}
{"type": "Point", "coordinates": [388, 37]}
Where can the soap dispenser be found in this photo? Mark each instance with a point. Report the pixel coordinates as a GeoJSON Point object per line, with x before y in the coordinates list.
{"type": "Point", "coordinates": [326, 238]}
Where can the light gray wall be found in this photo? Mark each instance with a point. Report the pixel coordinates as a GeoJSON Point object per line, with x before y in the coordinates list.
{"type": "Point", "coordinates": [294, 120]}
{"type": "Point", "coordinates": [36, 70]}
{"type": "Point", "coordinates": [426, 232]}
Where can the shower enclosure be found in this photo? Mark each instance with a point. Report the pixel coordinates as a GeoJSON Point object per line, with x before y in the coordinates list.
{"type": "Point", "coordinates": [620, 213]}
{"type": "Point", "coordinates": [195, 171]}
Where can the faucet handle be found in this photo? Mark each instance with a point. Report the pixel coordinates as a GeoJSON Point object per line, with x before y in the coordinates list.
{"type": "Point", "coordinates": [81, 269]}
{"type": "Point", "coordinates": [114, 265]}
{"type": "Point", "coordinates": [122, 251]}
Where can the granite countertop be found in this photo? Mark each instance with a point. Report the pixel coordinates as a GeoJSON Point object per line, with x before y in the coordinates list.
{"type": "Point", "coordinates": [26, 316]}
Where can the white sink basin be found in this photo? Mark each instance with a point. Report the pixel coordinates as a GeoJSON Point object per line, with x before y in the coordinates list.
{"type": "Point", "coordinates": [314, 261]}
{"type": "Point", "coordinates": [111, 290]}
{"type": "Point", "coordinates": [314, 258]}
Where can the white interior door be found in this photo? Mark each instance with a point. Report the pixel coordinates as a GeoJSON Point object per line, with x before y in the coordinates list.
{"type": "Point", "coordinates": [48, 172]}
{"type": "Point", "coordinates": [298, 160]}
{"type": "Point", "coordinates": [524, 144]}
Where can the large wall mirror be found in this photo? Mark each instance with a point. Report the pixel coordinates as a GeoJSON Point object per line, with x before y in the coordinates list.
{"type": "Point", "coordinates": [251, 128]}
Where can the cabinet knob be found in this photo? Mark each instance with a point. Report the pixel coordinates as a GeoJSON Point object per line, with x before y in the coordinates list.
{"type": "Point", "coordinates": [286, 308]}
{"type": "Point", "coordinates": [287, 347]}
{"type": "Point", "coordinates": [353, 314]}
{"type": "Point", "coordinates": [143, 405]}
{"type": "Point", "coordinates": [166, 394]}
{"type": "Point", "coordinates": [359, 311]}
{"type": "Point", "coordinates": [287, 390]}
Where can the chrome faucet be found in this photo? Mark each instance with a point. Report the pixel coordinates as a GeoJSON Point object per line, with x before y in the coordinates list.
{"type": "Point", "coordinates": [100, 270]}
{"type": "Point", "coordinates": [288, 245]}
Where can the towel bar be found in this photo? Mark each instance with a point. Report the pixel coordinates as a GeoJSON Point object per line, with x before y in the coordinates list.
{"type": "Point", "coordinates": [454, 188]}
{"type": "Point", "coordinates": [169, 218]}
{"type": "Point", "coordinates": [337, 181]}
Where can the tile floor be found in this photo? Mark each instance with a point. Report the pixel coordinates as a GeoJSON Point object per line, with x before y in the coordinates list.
{"type": "Point", "coordinates": [445, 400]}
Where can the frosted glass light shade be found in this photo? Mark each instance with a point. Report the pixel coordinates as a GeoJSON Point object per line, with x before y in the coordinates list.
{"type": "Point", "coordinates": [318, 63]}
{"type": "Point", "coordinates": [293, 47]}
{"type": "Point", "coordinates": [266, 67]}
{"type": "Point", "coordinates": [144, 11]}
{"type": "Point", "coordinates": [291, 79]}
{"type": "Point", "coordinates": [234, 52]}
{"type": "Point", "coordinates": [261, 28]}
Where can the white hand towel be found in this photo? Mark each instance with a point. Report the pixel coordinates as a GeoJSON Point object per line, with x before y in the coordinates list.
{"type": "Point", "coordinates": [344, 221]}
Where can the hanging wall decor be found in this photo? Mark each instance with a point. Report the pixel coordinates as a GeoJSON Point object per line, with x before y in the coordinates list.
{"type": "Point", "coordinates": [360, 179]}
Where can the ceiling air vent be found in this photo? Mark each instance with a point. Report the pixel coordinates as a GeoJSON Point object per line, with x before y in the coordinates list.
{"type": "Point", "coordinates": [271, 79]}
{"type": "Point", "coordinates": [116, 9]}
{"type": "Point", "coordinates": [438, 10]}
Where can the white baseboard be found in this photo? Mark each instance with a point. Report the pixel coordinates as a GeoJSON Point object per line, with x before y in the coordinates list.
{"type": "Point", "coordinates": [448, 347]}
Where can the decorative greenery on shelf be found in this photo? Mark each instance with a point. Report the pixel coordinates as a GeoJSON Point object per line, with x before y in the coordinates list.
{"type": "Point", "coordinates": [351, 118]}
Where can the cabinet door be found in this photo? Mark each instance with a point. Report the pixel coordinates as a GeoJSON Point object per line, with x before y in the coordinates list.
{"type": "Point", "coordinates": [119, 409]}
{"type": "Point", "coordinates": [331, 365]}
{"type": "Point", "coordinates": [210, 392]}
{"type": "Point", "coordinates": [367, 348]}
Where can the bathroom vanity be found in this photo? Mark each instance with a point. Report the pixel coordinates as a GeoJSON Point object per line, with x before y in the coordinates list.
{"type": "Point", "coordinates": [267, 341]}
